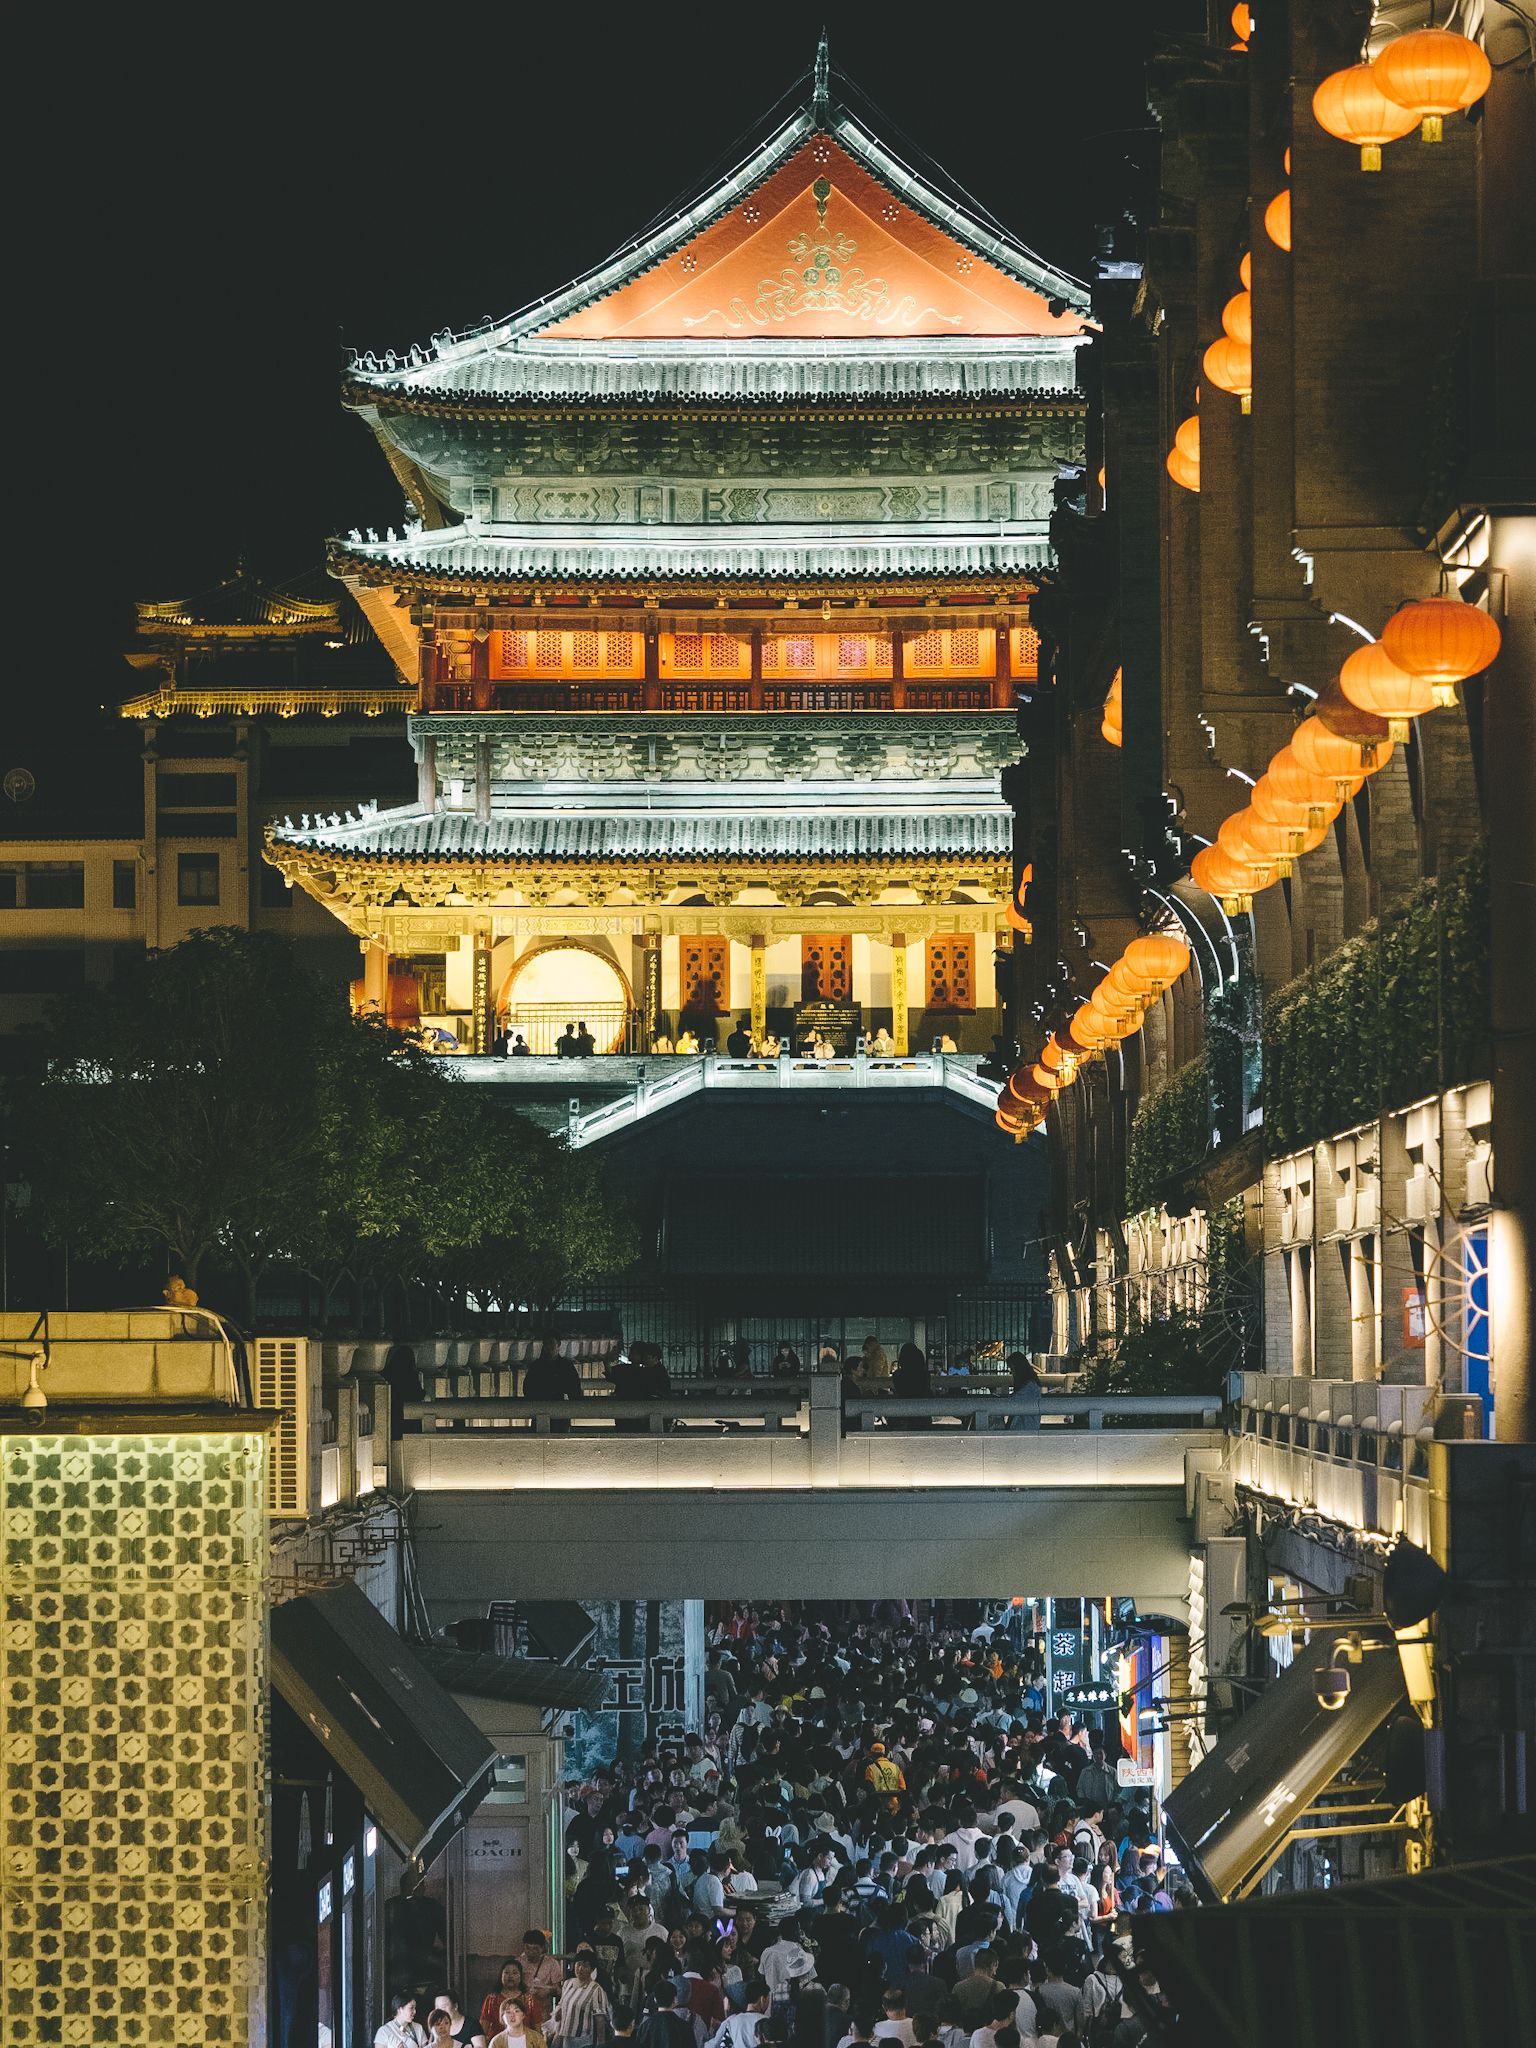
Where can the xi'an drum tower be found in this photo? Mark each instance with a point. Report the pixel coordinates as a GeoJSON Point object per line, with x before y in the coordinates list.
{"type": "Point", "coordinates": [713, 591]}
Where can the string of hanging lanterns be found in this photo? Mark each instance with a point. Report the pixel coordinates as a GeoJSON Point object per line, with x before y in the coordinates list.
{"type": "Point", "coordinates": [1426, 650]}
{"type": "Point", "coordinates": [1414, 82]}
{"type": "Point", "coordinates": [1115, 1009]}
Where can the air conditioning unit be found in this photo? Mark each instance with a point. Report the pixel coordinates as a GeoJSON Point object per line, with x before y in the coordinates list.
{"type": "Point", "coordinates": [280, 1379]}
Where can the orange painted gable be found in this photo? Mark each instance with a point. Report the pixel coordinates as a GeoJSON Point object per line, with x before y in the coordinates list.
{"type": "Point", "coordinates": [820, 250]}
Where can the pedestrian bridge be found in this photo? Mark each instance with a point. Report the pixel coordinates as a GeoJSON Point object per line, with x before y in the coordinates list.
{"type": "Point", "coordinates": [731, 1490]}
{"type": "Point", "coordinates": [640, 1088]}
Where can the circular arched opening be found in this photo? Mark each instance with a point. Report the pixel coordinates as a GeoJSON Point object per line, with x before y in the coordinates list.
{"type": "Point", "coordinates": [566, 984]}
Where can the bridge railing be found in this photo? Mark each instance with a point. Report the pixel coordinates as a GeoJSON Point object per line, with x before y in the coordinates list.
{"type": "Point", "coordinates": [811, 1406]}
{"type": "Point", "coordinates": [988, 1412]}
{"type": "Point", "coordinates": [603, 1415]}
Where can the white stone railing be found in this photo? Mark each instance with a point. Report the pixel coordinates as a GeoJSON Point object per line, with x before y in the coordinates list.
{"type": "Point", "coordinates": [785, 1434]}
{"type": "Point", "coordinates": [659, 1081]}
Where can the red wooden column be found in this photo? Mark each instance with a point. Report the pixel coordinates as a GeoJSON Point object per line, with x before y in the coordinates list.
{"type": "Point", "coordinates": [1002, 682]}
{"type": "Point", "coordinates": [898, 669]}
{"type": "Point", "coordinates": [650, 696]}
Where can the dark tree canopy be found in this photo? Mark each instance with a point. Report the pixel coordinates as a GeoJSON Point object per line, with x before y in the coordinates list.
{"type": "Point", "coordinates": [220, 1107]}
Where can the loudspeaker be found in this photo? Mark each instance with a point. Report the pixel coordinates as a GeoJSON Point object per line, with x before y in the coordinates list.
{"type": "Point", "coordinates": [1411, 1586]}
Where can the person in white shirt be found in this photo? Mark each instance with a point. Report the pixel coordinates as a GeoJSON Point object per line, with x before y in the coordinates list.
{"type": "Point", "coordinates": [739, 2029]}
{"type": "Point", "coordinates": [1073, 1881]}
{"type": "Point", "coordinates": [785, 1962]}
{"type": "Point", "coordinates": [401, 2029]}
{"type": "Point", "coordinates": [857, 2036]}
{"type": "Point", "coordinates": [1024, 1815]}
{"type": "Point", "coordinates": [963, 1837]}
{"type": "Point", "coordinates": [896, 2026]}
{"type": "Point", "coordinates": [1100, 1988]}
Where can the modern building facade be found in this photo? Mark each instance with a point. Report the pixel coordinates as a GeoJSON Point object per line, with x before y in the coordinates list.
{"type": "Point", "coordinates": [1308, 414]}
{"type": "Point", "coordinates": [247, 699]}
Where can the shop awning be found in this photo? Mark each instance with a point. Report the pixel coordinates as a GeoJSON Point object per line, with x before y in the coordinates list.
{"type": "Point", "coordinates": [1240, 1802]}
{"type": "Point", "coordinates": [558, 1629]}
{"type": "Point", "coordinates": [521, 1681]}
{"type": "Point", "coordinates": [1446, 1956]}
{"type": "Point", "coordinates": [420, 1763]}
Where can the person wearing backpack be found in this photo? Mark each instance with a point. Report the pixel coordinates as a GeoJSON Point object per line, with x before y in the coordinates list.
{"type": "Point", "coordinates": [882, 1773]}
{"type": "Point", "coordinates": [1103, 1997]}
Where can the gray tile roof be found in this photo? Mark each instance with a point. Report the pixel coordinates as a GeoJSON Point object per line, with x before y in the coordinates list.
{"type": "Point", "coordinates": [815, 835]}
{"type": "Point", "coordinates": [478, 552]}
{"type": "Point", "coordinates": [755, 373]}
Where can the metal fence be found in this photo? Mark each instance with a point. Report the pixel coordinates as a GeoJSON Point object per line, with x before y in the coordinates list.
{"type": "Point", "coordinates": [978, 1329]}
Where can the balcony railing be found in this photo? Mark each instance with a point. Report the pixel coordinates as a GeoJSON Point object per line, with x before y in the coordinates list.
{"type": "Point", "coordinates": [1355, 1451]}
{"type": "Point", "coordinates": [951, 695]}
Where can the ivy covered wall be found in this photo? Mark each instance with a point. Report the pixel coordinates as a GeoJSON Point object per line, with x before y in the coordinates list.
{"type": "Point", "coordinates": [1397, 1013]}
{"type": "Point", "coordinates": [1170, 1132]}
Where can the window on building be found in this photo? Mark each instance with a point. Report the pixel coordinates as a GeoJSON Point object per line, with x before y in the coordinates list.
{"type": "Point", "coordinates": [826, 967]}
{"type": "Point", "coordinates": [125, 884]}
{"type": "Point", "coordinates": [197, 878]}
{"type": "Point", "coordinates": [43, 885]}
{"type": "Point", "coordinates": [950, 979]}
{"type": "Point", "coordinates": [704, 974]}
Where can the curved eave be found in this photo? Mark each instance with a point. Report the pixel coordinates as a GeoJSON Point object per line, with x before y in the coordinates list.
{"type": "Point", "coordinates": [572, 568]}
{"type": "Point", "coordinates": [385, 401]}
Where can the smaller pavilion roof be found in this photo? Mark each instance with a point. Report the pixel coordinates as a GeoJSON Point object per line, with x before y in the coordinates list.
{"type": "Point", "coordinates": [247, 604]}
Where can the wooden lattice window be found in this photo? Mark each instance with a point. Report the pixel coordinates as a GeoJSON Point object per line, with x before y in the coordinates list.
{"type": "Point", "coordinates": [704, 975]}
{"type": "Point", "coordinates": [1025, 651]}
{"type": "Point", "coordinates": [950, 980]}
{"type": "Point", "coordinates": [552, 652]}
{"type": "Point", "coordinates": [706, 654]}
{"type": "Point", "coordinates": [951, 651]}
{"type": "Point", "coordinates": [796, 655]}
{"type": "Point", "coordinates": [826, 967]}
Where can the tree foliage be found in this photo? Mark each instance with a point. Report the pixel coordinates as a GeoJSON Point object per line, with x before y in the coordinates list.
{"type": "Point", "coordinates": [1170, 1132]}
{"type": "Point", "coordinates": [1397, 1012]}
{"type": "Point", "coordinates": [219, 1107]}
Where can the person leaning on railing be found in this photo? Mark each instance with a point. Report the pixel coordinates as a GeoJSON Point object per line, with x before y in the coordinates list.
{"type": "Point", "coordinates": [552, 1378]}
{"type": "Point", "coordinates": [1026, 1387]}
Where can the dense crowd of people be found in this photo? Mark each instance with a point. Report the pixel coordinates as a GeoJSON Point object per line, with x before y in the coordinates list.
{"type": "Point", "coordinates": [879, 1835]}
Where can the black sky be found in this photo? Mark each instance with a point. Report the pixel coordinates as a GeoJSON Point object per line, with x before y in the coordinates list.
{"type": "Point", "coordinates": [215, 204]}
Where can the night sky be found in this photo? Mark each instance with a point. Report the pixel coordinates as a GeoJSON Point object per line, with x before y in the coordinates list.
{"type": "Point", "coordinates": [234, 212]}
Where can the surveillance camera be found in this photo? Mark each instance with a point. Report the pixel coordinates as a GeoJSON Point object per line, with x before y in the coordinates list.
{"type": "Point", "coordinates": [1332, 1688]}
